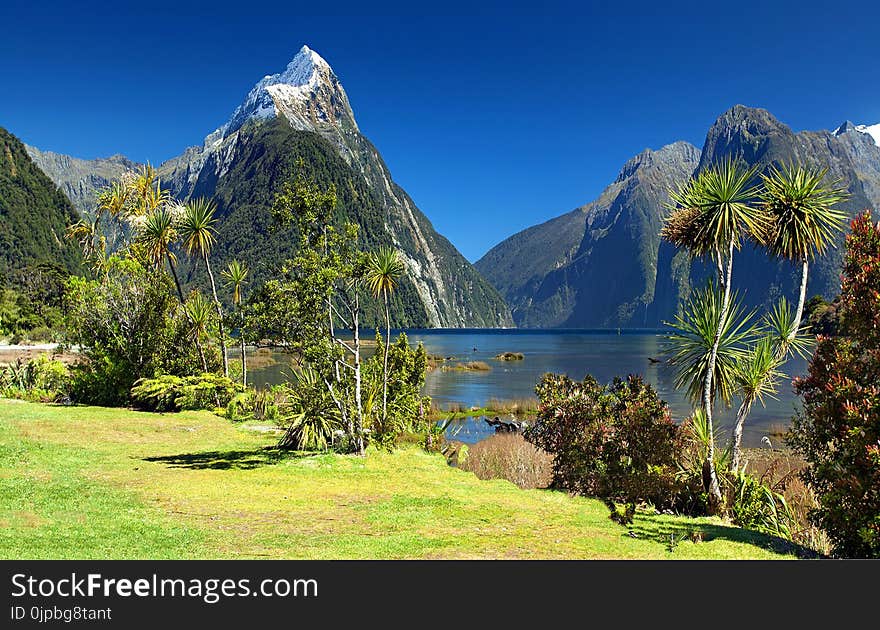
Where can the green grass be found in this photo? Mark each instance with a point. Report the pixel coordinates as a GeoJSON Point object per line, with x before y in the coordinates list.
{"type": "Point", "coordinates": [89, 482]}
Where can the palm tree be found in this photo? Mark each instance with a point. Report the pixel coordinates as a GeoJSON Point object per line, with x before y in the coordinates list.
{"type": "Point", "coordinates": [710, 215]}
{"type": "Point", "coordinates": [383, 270]}
{"type": "Point", "coordinates": [235, 274]}
{"type": "Point", "coordinates": [805, 221]}
{"type": "Point", "coordinates": [92, 242]}
{"type": "Point", "coordinates": [114, 199]}
{"type": "Point", "coordinates": [691, 347]}
{"type": "Point", "coordinates": [198, 312]}
{"type": "Point", "coordinates": [757, 375]}
{"type": "Point", "coordinates": [196, 227]}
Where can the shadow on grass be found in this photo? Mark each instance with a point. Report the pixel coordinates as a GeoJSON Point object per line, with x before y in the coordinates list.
{"type": "Point", "coordinates": [228, 460]}
{"type": "Point", "coordinates": [673, 534]}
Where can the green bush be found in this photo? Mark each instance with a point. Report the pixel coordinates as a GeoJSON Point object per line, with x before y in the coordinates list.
{"type": "Point", "coordinates": [615, 442]}
{"type": "Point", "coordinates": [39, 379]}
{"type": "Point", "coordinates": [258, 404]}
{"type": "Point", "coordinates": [312, 419]}
{"type": "Point", "coordinates": [755, 506]}
{"type": "Point", "coordinates": [407, 406]}
{"type": "Point", "coordinates": [128, 326]}
{"type": "Point", "coordinates": [174, 393]}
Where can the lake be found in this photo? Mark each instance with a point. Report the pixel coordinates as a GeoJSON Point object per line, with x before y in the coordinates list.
{"type": "Point", "coordinates": [602, 353]}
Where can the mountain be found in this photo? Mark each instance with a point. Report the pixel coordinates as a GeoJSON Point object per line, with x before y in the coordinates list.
{"type": "Point", "coordinates": [81, 179]}
{"type": "Point", "coordinates": [304, 112]}
{"type": "Point", "coordinates": [34, 214]}
{"type": "Point", "coordinates": [596, 265]}
{"type": "Point", "coordinates": [603, 265]}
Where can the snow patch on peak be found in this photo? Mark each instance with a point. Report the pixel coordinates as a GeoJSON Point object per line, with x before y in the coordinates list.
{"type": "Point", "coordinates": [296, 84]}
{"type": "Point", "coordinates": [871, 130]}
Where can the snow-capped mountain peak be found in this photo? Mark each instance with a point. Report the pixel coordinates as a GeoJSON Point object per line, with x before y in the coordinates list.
{"type": "Point", "coordinates": [307, 93]}
{"type": "Point", "coordinates": [301, 69]}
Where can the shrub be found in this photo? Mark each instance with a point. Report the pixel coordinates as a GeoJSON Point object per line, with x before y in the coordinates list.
{"type": "Point", "coordinates": [838, 430]}
{"type": "Point", "coordinates": [128, 326]}
{"type": "Point", "coordinates": [39, 379]}
{"type": "Point", "coordinates": [407, 407]}
{"type": "Point", "coordinates": [614, 442]}
{"type": "Point", "coordinates": [174, 393]}
{"type": "Point", "coordinates": [509, 456]}
{"type": "Point", "coordinates": [755, 505]}
{"type": "Point", "coordinates": [258, 404]}
{"type": "Point", "coordinates": [311, 417]}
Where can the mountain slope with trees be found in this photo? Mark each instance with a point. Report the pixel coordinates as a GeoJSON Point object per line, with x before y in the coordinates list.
{"type": "Point", "coordinates": [34, 214]}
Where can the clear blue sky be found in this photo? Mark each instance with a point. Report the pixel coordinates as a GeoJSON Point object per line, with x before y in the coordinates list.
{"type": "Point", "coordinates": [492, 122]}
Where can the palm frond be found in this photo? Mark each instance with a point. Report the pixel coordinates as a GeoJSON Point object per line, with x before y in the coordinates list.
{"type": "Point", "coordinates": [802, 206]}
{"type": "Point", "coordinates": [690, 345]}
{"type": "Point", "coordinates": [715, 208]}
{"type": "Point", "coordinates": [779, 323]}
{"type": "Point", "coordinates": [157, 234]}
{"type": "Point", "coordinates": [196, 226]}
{"type": "Point", "coordinates": [384, 269]}
{"type": "Point", "coordinates": [234, 277]}
{"type": "Point", "coordinates": [757, 374]}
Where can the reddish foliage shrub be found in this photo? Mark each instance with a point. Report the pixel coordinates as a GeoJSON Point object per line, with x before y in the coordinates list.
{"type": "Point", "coordinates": [615, 442]}
{"type": "Point", "coordinates": [838, 431]}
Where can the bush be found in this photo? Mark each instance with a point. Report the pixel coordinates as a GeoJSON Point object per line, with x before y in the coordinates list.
{"type": "Point", "coordinates": [838, 430]}
{"type": "Point", "coordinates": [756, 506]}
{"type": "Point", "coordinates": [509, 456]}
{"type": "Point", "coordinates": [311, 417]}
{"type": "Point", "coordinates": [258, 404]}
{"type": "Point", "coordinates": [614, 442]}
{"type": "Point", "coordinates": [128, 326]}
{"type": "Point", "coordinates": [39, 379]}
{"type": "Point", "coordinates": [175, 393]}
{"type": "Point", "coordinates": [100, 381]}
{"type": "Point", "coordinates": [407, 407]}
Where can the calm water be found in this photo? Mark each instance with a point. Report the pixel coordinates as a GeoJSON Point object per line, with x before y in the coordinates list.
{"type": "Point", "coordinates": [604, 354]}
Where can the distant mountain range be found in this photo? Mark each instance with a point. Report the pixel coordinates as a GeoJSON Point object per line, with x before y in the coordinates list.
{"type": "Point", "coordinates": [600, 265]}
{"type": "Point", "coordinates": [304, 112]}
{"type": "Point", "coordinates": [604, 265]}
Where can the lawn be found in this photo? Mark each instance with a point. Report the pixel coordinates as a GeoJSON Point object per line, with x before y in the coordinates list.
{"type": "Point", "coordinates": [91, 482]}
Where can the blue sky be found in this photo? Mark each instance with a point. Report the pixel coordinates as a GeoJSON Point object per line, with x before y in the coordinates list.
{"type": "Point", "coordinates": [492, 121]}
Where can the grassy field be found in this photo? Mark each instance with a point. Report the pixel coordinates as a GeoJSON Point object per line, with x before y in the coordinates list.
{"type": "Point", "coordinates": [87, 482]}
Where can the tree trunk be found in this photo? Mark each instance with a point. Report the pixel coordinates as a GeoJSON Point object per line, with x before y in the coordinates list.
{"type": "Point", "coordinates": [713, 488]}
{"type": "Point", "coordinates": [182, 302]}
{"type": "Point", "coordinates": [357, 377]}
{"type": "Point", "coordinates": [201, 354]}
{"type": "Point", "coordinates": [176, 280]}
{"type": "Point", "coordinates": [219, 318]}
{"type": "Point", "coordinates": [385, 363]}
{"type": "Point", "coordinates": [741, 415]}
{"type": "Point", "coordinates": [801, 300]}
{"type": "Point", "coordinates": [243, 359]}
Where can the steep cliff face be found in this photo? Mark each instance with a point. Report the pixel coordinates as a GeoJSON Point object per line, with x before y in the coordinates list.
{"type": "Point", "coordinates": [597, 265]}
{"type": "Point", "coordinates": [304, 112]}
{"type": "Point", "coordinates": [604, 264]}
{"type": "Point", "coordinates": [79, 179]}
